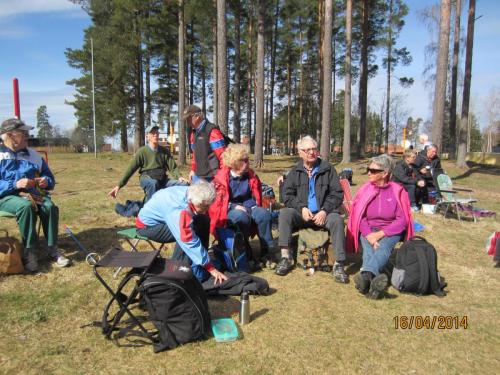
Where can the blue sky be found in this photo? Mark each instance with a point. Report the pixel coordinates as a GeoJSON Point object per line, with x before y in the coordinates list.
{"type": "Point", "coordinates": [35, 33]}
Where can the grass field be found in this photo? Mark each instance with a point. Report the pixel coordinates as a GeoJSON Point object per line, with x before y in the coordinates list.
{"type": "Point", "coordinates": [309, 325]}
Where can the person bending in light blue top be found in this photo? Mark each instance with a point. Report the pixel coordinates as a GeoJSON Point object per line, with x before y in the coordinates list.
{"type": "Point", "coordinates": [178, 214]}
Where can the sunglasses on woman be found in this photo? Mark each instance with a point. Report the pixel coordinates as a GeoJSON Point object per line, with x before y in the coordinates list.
{"type": "Point", "coordinates": [373, 170]}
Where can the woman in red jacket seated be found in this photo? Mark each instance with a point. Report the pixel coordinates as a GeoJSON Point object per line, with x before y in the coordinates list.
{"type": "Point", "coordinates": [239, 198]}
{"type": "Point", "coordinates": [380, 215]}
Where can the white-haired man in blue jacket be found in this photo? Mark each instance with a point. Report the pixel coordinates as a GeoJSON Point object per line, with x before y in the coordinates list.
{"type": "Point", "coordinates": [178, 214]}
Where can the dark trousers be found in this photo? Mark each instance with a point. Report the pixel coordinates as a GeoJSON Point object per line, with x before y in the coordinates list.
{"type": "Point", "coordinates": [496, 257]}
{"type": "Point", "coordinates": [290, 219]}
{"type": "Point", "coordinates": [411, 190]}
{"type": "Point", "coordinates": [161, 233]}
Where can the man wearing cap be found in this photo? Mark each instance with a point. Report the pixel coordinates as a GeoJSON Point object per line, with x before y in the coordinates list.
{"type": "Point", "coordinates": [152, 161]}
{"type": "Point", "coordinates": [206, 143]}
{"type": "Point", "coordinates": [25, 179]}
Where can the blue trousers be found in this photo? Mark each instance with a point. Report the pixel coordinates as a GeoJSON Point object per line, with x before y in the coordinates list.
{"type": "Point", "coordinates": [161, 233]}
{"type": "Point", "coordinates": [375, 260]}
{"type": "Point", "coordinates": [261, 217]}
{"type": "Point", "coordinates": [151, 186]}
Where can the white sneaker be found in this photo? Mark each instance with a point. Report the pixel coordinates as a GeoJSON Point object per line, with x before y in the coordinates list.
{"type": "Point", "coordinates": [61, 261]}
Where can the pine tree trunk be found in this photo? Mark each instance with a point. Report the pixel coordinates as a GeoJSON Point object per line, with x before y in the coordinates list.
{"type": "Point", "coordinates": [182, 88]}
{"type": "Point", "coordinates": [454, 76]}
{"type": "Point", "coordinates": [464, 121]}
{"type": "Point", "coordinates": [321, 57]}
{"type": "Point", "coordinates": [259, 98]}
{"type": "Point", "coordinates": [346, 148]}
{"type": "Point", "coordinates": [250, 72]}
{"type": "Point", "coordinates": [222, 84]}
{"type": "Point", "coordinates": [215, 100]}
{"type": "Point", "coordinates": [441, 74]}
{"type": "Point", "coordinates": [237, 75]}
{"type": "Point", "coordinates": [363, 80]}
{"type": "Point", "coordinates": [203, 87]}
{"type": "Point", "coordinates": [273, 71]}
{"type": "Point", "coordinates": [191, 65]}
{"type": "Point", "coordinates": [148, 89]}
{"type": "Point", "coordinates": [123, 136]}
{"type": "Point", "coordinates": [289, 109]}
{"type": "Point", "coordinates": [139, 93]}
{"type": "Point", "coordinates": [389, 67]}
{"type": "Point", "coordinates": [326, 117]}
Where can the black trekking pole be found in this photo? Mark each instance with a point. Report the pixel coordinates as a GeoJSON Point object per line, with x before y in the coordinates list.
{"type": "Point", "coordinates": [91, 258]}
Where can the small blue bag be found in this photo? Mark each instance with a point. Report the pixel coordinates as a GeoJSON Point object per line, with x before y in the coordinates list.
{"type": "Point", "coordinates": [232, 250]}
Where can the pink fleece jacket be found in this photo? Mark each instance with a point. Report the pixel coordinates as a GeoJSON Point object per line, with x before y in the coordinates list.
{"type": "Point", "coordinates": [365, 195]}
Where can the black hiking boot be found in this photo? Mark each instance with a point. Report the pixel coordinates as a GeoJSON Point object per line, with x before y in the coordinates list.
{"type": "Point", "coordinates": [378, 285]}
{"type": "Point", "coordinates": [284, 266]}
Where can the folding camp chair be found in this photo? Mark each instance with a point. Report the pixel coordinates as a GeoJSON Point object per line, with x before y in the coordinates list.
{"type": "Point", "coordinates": [448, 198]}
{"type": "Point", "coordinates": [142, 265]}
{"type": "Point", "coordinates": [133, 239]}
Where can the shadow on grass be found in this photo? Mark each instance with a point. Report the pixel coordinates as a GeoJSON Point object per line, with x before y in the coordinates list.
{"type": "Point", "coordinates": [478, 168]}
{"type": "Point", "coordinates": [94, 240]}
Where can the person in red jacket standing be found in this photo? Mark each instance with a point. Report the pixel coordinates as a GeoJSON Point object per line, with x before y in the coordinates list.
{"type": "Point", "coordinates": [239, 198]}
{"type": "Point", "coordinates": [206, 142]}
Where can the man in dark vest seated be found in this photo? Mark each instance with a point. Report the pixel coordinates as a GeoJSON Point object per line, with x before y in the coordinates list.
{"type": "Point", "coordinates": [206, 143]}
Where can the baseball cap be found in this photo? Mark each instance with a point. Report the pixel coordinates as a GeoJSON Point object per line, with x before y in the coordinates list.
{"type": "Point", "coordinates": [150, 128]}
{"type": "Point", "coordinates": [190, 110]}
{"type": "Point", "coordinates": [14, 124]}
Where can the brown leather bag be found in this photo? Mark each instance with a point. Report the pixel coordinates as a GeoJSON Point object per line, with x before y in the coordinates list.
{"type": "Point", "coordinates": [10, 255]}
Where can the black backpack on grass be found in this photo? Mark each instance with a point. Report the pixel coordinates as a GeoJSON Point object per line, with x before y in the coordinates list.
{"type": "Point", "coordinates": [415, 270]}
{"type": "Point", "coordinates": [178, 309]}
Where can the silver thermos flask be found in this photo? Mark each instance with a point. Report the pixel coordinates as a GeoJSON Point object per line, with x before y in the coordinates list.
{"type": "Point", "coordinates": [244, 309]}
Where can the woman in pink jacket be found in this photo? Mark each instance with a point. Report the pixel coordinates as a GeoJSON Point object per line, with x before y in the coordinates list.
{"type": "Point", "coordinates": [380, 217]}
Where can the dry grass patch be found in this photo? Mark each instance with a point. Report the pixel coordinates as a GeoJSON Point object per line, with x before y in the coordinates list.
{"type": "Point", "coordinates": [310, 325]}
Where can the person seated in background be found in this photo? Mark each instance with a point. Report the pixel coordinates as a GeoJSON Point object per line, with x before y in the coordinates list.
{"type": "Point", "coordinates": [423, 142]}
{"type": "Point", "coordinates": [25, 179]}
{"type": "Point", "coordinates": [206, 142]}
{"type": "Point", "coordinates": [179, 214]}
{"type": "Point", "coordinates": [239, 199]}
{"type": "Point", "coordinates": [380, 216]}
{"type": "Point", "coordinates": [404, 174]}
{"type": "Point", "coordinates": [153, 161]}
{"type": "Point", "coordinates": [427, 167]}
{"type": "Point", "coordinates": [313, 198]}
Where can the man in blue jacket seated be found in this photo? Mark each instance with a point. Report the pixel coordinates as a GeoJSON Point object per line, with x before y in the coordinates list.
{"type": "Point", "coordinates": [178, 214]}
{"type": "Point", "coordinates": [25, 180]}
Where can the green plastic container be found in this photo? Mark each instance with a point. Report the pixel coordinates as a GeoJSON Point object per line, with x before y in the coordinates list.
{"type": "Point", "coordinates": [224, 330]}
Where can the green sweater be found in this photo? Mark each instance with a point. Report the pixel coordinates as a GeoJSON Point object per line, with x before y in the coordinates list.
{"type": "Point", "coordinates": [146, 159]}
